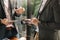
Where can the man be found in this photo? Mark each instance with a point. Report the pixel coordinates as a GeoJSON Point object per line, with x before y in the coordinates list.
{"type": "Point", "coordinates": [7, 29]}
{"type": "Point", "coordinates": [49, 16]}
{"type": "Point", "coordinates": [20, 26]}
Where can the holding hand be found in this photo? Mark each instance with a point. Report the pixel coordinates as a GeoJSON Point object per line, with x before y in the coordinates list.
{"type": "Point", "coordinates": [20, 10]}
{"type": "Point", "coordinates": [8, 24]}
{"type": "Point", "coordinates": [5, 21]}
{"type": "Point", "coordinates": [33, 21]}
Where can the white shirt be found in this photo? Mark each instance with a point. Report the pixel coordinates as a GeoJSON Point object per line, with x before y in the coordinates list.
{"type": "Point", "coordinates": [42, 5]}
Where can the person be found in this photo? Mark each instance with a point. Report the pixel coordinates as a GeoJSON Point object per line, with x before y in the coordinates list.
{"type": "Point", "coordinates": [8, 29]}
{"type": "Point", "coordinates": [49, 18]}
{"type": "Point", "coordinates": [20, 26]}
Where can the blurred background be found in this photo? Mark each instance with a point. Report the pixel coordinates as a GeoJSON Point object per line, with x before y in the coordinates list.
{"type": "Point", "coordinates": [32, 6]}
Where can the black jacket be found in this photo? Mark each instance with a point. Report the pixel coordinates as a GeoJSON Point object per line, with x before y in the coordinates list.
{"type": "Point", "coordinates": [50, 14]}
{"type": "Point", "coordinates": [51, 11]}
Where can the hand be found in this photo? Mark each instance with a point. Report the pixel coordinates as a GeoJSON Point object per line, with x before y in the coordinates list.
{"type": "Point", "coordinates": [28, 21]}
{"type": "Point", "coordinates": [20, 10]}
{"type": "Point", "coordinates": [34, 21]}
{"type": "Point", "coordinates": [5, 21]}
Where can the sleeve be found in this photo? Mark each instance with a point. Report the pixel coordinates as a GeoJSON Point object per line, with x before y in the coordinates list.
{"type": "Point", "coordinates": [56, 10]}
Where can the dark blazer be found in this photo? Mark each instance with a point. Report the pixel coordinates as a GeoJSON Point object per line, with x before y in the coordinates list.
{"type": "Point", "coordinates": [51, 11]}
{"type": "Point", "coordinates": [3, 32]}
{"type": "Point", "coordinates": [51, 14]}
{"type": "Point", "coordinates": [50, 20]}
